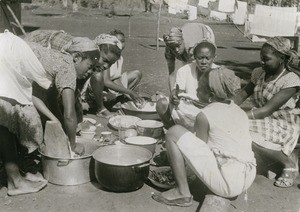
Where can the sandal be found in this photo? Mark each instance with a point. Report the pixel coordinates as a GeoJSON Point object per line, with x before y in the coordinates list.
{"type": "Point", "coordinates": [181, 202]}
{"type": "Point", "coordinates": [287, 178]}
{"type": "Point", "coordinates": [104, 113]}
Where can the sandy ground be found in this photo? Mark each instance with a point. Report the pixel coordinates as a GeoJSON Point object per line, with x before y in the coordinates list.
{"type": "Point", "coordinates": [233, 50]}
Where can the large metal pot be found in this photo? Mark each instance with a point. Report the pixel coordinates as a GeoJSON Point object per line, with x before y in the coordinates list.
{"type": "Point", "coordinates": [69, 171]}
{"type": "Point", "coordinates": [130, 109]}
{"type": "Point", "coordinates": [122, 168]}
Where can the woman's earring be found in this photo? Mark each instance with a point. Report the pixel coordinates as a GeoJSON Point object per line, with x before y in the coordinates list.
{"type": "Point", "coordinates": [210, 100]}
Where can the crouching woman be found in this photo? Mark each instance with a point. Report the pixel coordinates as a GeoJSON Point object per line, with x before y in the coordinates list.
{"type": "Point", "coordinates": [220, 153]}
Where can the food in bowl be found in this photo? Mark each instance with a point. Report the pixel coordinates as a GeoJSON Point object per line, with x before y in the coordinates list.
{"type": "Point", "coordinates": [123, 121]}
{"type": "Point", "coordinates": [150, 128]}
{"type": "Point", "coordinates": [162, 177]}
{"type": "Point", "coordinates": [143, 141]}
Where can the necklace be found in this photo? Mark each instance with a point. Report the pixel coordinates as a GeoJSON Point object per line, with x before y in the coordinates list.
{"type": "Point", "coordinates": [280, 75]}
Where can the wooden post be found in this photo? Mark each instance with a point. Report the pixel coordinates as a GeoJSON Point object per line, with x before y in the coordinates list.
{"type": "Point", "coordinates": [129, 22]}
{"type": "Point", "coordinates": [158, 23]}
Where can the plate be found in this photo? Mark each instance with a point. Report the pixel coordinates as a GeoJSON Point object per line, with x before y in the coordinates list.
{"type": "Point", "coordinates": [160, 171]}
{"type": "Point", "coordinates": [93, 121]}
{"type": "Point", "coordinates": [123, 121]}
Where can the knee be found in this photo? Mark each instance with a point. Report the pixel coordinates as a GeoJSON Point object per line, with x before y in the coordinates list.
{"type": "Point", "coordinates": [174, 133]}
{"type": "Point", "coordinates": [162, 105]}
{"type": "Point", "coordinates": [136, 74]}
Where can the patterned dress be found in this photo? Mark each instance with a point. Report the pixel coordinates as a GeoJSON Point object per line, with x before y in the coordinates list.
{"type": "Point", "coordinates": [280, 130]}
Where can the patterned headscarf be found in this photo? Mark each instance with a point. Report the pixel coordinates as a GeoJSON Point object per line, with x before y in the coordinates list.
{"type": "Point", "coordinates": [175, 36]}
{"type": "Point", "coordinates": [108, 39]}
{"type": "Point", "coordinates": [283, 45]}
{"type": "Point", "coordinates": [80, 44]}
{"type": "Point", "coordinates": [223, 82]}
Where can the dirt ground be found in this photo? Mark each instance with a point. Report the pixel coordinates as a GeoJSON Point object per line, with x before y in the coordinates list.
{"type": "Point", "coordinates": [234, 50]}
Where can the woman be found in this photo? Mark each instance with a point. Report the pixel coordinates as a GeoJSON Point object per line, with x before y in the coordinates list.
{"type": "Point", "coordinates": [219, 154]}
{"type": "Point", "coordinates": [109, 53]}
{"type": "Point", "coordinates": [274, 121]}
{"type": "Point", "coordinates": [115, 81]}
{"type": "Point", "coordinates": [187, 79]}
{"type": "Point", "coordinates": [180, 43]}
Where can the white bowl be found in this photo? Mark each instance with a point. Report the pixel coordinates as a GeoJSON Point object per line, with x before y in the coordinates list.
{"type": "Point", "coordinates": [143, 141]}
{"type": "Point", "coordinates": [150, 128]}
{"type": "Point", "coordinates": [87, 135]}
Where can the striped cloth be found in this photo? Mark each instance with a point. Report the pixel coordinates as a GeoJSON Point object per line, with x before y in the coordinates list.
{"type": "Point", "coordinates": [53, 39]}
{"type": "Point", "coordinates": [280, 130]}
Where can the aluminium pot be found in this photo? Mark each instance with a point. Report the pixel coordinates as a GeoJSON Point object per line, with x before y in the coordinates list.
{"type": "Point", "coordinates": [69, 171]}
{"type": "Point", "coordinates": [122, 168]}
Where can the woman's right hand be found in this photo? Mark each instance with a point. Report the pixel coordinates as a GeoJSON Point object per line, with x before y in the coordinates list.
{"type": "Point", "coordinates": [174, 98]}
{"type": "Point", "coordinates": [136, 98]}
{"type": "Point", "coordinates": [77, 148]}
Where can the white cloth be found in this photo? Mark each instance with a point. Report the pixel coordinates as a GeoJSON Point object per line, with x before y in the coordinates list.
{"type": "Point", "coordinates": [186, 79]}
{"type": "Point", "coordinates": [226, 6]}
{"type": "Point", "coordinates": [226, 163]}
{"type": "Point", "coordinates": [18, 68]}
{"type": "Point", "coordinates": [240, 13]}
{"type": "Point", "coordinates": [274, 21]}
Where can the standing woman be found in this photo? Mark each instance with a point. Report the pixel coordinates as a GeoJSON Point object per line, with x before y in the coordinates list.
{"type": "Point", "coordinates": [274, 121]}
{"type": "Point", "coordinates": [62, 98]}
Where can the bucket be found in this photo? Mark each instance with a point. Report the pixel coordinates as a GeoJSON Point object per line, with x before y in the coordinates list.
{"type": "Point", "coordinates": [70, 171]}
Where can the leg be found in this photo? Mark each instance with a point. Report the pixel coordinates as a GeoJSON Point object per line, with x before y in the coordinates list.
{"type": "Point", "coordinates": [97, 85]}
{"type": "Point", "coordinates": [163, 110]}
{"type": "Point", "coordinates": [180, 195]}
{"type": "Point", "coordinates": [134, 77]}
{"type": "Point", "coordinates": [16, 183]}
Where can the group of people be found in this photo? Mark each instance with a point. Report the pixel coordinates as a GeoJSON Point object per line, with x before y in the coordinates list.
{"type": "Point", "coordinates": [207, 130]}
{"type": "Point", "coordinates": [52, 75]}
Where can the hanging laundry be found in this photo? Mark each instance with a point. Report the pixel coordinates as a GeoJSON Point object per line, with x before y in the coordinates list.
{"type": "Point", "coordinates": [274, 21]}
{"type": "Point", "coordinates": [226, 6]}
{"type": "Point", "coordinates": [240, 13]}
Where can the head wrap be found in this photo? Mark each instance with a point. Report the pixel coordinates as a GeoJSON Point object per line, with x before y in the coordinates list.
{"type": "Point", "coordinates": [175, 36]}
{"type": "Point", "coordinates": [108, 39]}
{"type": "Point", "coordinates": [283, 45]}
{"type": "Point", "coordinates": [205, 41]}
{"type": "Point", "coordinates": [223, 82]}
{"type": "Point", "coordinates": [80, 44]}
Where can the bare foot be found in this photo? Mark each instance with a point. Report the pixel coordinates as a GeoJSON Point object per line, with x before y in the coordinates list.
{"type": "Point", "coordinates": [24, 186]}
{"type": "Point", "coordinates": [174, 194]}
{"type": "Point", "coordinates": [38, 177]}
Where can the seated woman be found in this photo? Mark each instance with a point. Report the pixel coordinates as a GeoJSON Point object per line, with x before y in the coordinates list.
{"type": "Point", "coordinates": [187, 79]}
{"type": "Point", "coordinates": [219, 154]}
{"type": "Point", "coordinates": [274, 121]}
{"type": "Point", "coordinates": [180, 43]}
{"type": "Point", "coordinates": [112, 78]}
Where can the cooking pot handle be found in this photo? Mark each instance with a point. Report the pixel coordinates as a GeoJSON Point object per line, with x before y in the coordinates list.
{"type": "Point", "coordinates": [62, 163]}
{"type": "Point", "coordinates": [138, 168]}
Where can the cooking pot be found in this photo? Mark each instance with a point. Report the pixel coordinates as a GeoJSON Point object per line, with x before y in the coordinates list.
{"type": "Point", "coordinates": [150, 128]}
{"type": "Point", "coordinates": [122, 168]}
{"type": "Point", "coordinates": [69, 171]}
{"type": "Point", "coordinates": [143, 141]}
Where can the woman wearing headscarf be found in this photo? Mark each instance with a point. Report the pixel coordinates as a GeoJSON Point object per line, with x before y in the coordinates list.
{"type": "Point", "coordinates": [179, 110]}
{"type": "Point", "coordinates": [274, 121]}
{"type": "Point", "coordinates": [220, 153]}
{"type": "Point", "coordinates": [180, 43]}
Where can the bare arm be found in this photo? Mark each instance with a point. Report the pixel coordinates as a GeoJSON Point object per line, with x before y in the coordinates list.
{"type": "Point", "coordinates": [202, 127]}
{"type": "Point", "coordinates": [40, 106]}
{"type": "Point", "coordinates": [273, 104]}
{"type": "Point", "coordinates": [243, 94]}
{"type": "Point", "coordinates": [171, 65]}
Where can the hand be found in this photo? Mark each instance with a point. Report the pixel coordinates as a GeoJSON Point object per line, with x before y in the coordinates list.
{"type": "Point", "coordinates": [77, 148]}
{"type": "Point", "coordinates": [174, 98]}
{"type": "Point", "coordinates": [136, 98]}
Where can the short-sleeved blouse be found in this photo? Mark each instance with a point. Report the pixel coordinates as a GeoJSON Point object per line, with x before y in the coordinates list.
{"type": "Point", "coordinates": [58, 65]}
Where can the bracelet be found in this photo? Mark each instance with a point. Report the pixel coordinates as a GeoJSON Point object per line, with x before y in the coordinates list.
{"type": "Point", "coordinates": [252, 113]}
